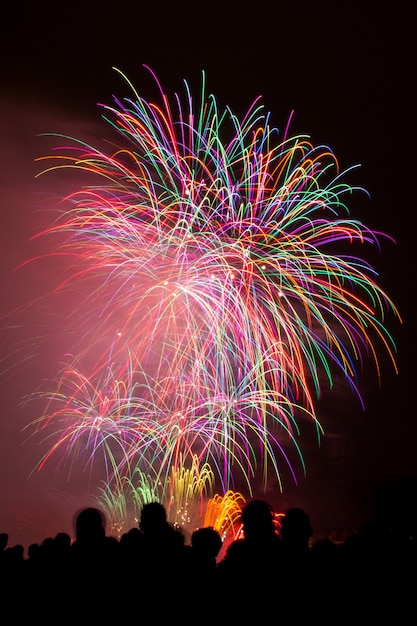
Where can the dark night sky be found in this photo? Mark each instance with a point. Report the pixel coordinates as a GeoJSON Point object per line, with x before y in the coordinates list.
{"type": "Point", "coordinates": [346, 71]}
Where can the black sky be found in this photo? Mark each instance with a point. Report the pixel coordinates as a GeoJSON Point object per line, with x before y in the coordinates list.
{"type": "Point", "coordinates": [347, 71]}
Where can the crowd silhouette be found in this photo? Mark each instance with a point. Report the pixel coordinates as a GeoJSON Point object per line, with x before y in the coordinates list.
{"type": "Point", "coordinates": [270, 570]}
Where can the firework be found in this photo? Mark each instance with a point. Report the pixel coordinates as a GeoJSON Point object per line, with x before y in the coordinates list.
{"type": "Point", "coordinates": [223, 513]}
{"type": "Point", "coordinates": [225, 292]}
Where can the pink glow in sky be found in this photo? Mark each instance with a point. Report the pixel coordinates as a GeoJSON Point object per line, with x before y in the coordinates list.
{"type": "Point", "coordinates": [361, 452]}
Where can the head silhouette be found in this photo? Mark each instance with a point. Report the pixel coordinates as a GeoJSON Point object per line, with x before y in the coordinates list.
{"type": "Point", "coordinates": [90, 524]}
{"type": "Point", "coordinates": [153, 517]}
{"type": "Point", "coordinates": [296, 527]}
{"type": "Point", "coordinates": [4, 539]}
{"type": "Point", "coordinates": [207, 541]}
{"type": "Point", "coordinates": [258, 520]}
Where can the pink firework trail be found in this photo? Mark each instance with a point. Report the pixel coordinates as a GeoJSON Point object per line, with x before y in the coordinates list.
{"type": "Point", "coordinates": [225, 292]}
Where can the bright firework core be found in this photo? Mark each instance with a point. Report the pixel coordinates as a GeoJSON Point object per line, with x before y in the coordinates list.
{"type": "Point", "coordinates": [216, 309]}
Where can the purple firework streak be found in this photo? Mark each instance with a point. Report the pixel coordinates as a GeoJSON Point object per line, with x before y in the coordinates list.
{"type": "Point", "coordinates": [224, 293]}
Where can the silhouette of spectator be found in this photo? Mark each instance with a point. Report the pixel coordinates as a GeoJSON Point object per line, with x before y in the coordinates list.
{"type": "Point", "coordinates": [4, 540]}
{"type": "Point", "coordinates": [300, 579]}
{"type": "Point", "coordinates": [206, 543]}
{"type": "Point", "coordinates": [326, 574]}
{"type": "Point", "coordinates": [15, 556]}
{"type": "Point", "coordinates": [296, 533]}
{"type": "Point", "coordinates": [62, 542]}
{"type": "Point", "coordinates": [90, 527]}
{"type": "Point", "coordinates": [34, 564]}
{"type": "Point", "coordinates": [260, 539]}
{"type": "Point", "coordinates": [163, 555]}
{"type": "Point", "coordinates": [33, 551]}
{"type": "Point", "coordinates": [91, 541]}
{"type": "Point", "coordinates": [251, 565]}
{"type": "Point", "coordinates": [48, 567]}
{"type": "Point", "coordinates": [13, 571]}
{"type": "Point", "coordinates": [94, 559]}
{"type": "Point", "coordinates": [325, 554]}
{"type": "Point", "coordinates": [131, 548]}
{"type": "Point", "coordinates": [158, 533]}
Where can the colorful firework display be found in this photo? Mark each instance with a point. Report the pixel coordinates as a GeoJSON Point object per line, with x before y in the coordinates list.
{"type": "Point", "coordinates": [223, 292]}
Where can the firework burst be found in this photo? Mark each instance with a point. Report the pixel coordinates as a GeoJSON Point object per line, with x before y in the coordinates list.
{"type": "Point", "coordinates": [214, 252]}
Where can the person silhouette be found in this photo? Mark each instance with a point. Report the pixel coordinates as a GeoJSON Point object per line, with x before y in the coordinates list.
{"type": "Point", "coordinates": [4, 540]}
{"type": "Point", "coordinates": [251, 562]}
{"type": "Point", "coordinates": [299, 582]}
{"type": "Point", "coordinates": [130, 548]}
{"type": "Point", "coordinates": [93, 559]}
{"type": "Point", "coordinates": [163, 557]}
{"type": "Point", "coordinates": [90, 527]}
{"type": "Point", "coordinates": [206, 543]}
{"type": "Point", "coordinates": [296, 533]}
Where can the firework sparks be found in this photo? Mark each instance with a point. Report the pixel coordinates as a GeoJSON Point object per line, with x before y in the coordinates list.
{"type": "Point", "coordinates": [208, 245]}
